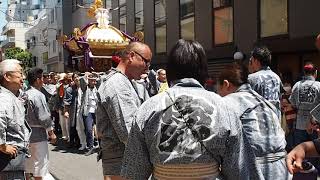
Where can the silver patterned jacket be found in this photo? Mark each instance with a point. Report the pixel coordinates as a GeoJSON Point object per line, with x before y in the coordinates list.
{"type": "Point", "coordinates": [117, 103]}
{"type": "Point", "coordinates": [14, 129]}
{"type": "Point", "coordinates": [187, 127]}
{"type": "Point", "coordinates": [38, 116]}
{"type": "Point", "coordinates": [262, 128]}
{"type": "Point", "coordinates": [268, 84]}
{"type": "Point", "coordinates": [305, 96]}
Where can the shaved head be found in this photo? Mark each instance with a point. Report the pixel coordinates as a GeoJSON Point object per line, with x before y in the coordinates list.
{"type": "Point", "coordinates": [135, 46]}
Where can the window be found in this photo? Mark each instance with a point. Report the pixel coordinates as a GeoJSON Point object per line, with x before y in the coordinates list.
{"type": "Point", "coordinates": [160, 22]}
{"type": "Point", "coordinates": [76, 3]}
{"type": "Point", "coordinates": [187, 19]}
{"type": "Point", "coordinates": [123, 15]}
{"type": "Point", "coordinates": [139, 15]}
{"type": "Point", "coordinates": [54, 46]}
{"type": "Point", "coordinates": [108, 5]}
{"type": "Point", "coordinates": [56, 10]}
{"type": "Point", "coordinates": [45, 57]}
{"type": "Point", "coordinates": [273, 17]}
{"type": "Point", "coordinates": [223, 21]}
{"type": "Point", "coordinates": [52, 16]}
{"type": "Point", "coordinates": [35, 60]}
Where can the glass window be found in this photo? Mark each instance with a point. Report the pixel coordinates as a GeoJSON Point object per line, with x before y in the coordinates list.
{"type": "Point", "coordinates": [45, 57]}
{"type": "Point", "coordinates": [109, 6]}
{"type": "Point", "coordinates": [54, 46]}
{"type": "Point", "coordinates": [223, 21]}
{"type": "Point", "coordinates": [74, 5]}
{"type": "Point", "coordinates": [139, 15]}
{"type": "Point", "coordinates": [273, 17]}
{"type": "Point", "coordinates": [187, 19]}
{"type": "Point", "coordinates": [52, 16]}
{"type": "Point", "coordinates": [123, 15]}
{"type": "Point", "coordinates": [161, 26]}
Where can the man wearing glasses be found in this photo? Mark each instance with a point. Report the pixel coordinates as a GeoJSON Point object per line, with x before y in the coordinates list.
{"type": "Point", "coordinates": [14, 130]}
{"type": "Point", "coordinates": [118, 100]}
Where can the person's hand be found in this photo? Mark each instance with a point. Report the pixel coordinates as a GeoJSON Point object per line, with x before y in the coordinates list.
{"type": "Point", "coordinates": [9, 149]}
{"type": "Point", "coordinates": [52, 137]}
{"type": "Point", "coordinates": [310, 128]}
{"type": "Point", "coordinates": [313, 126]}
{"type": "Point", "coordinates": [294, 159]}
{"type": "Point", "coordinates": [66, 114]}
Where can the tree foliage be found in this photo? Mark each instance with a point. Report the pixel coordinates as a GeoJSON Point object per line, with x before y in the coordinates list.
{"type": "Point", "coordinates": [11, 53]}
{"type": "Point", "coordinates": [17, 53]}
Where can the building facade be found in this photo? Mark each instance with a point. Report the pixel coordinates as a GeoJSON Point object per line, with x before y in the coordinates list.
{"type": "Point", "coordinates": [14, 30]}
{"type": "Point", "coordinates": [43, 36]}
{"type": "Point", "coordinates": [224, 27]}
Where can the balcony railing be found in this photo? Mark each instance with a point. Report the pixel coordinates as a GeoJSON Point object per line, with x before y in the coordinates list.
{"type": "Point", "coordinates": [14, 25]}
{"type": "Point", "coordinates": [9, 40]}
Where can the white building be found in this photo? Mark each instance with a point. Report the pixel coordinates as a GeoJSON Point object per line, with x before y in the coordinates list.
{"type": "Point", "coordinates": [43, 37]}
{"type": "Point", "coordinates": [17, 25]}
{"type": "Point", "coordinates": [36, 38]}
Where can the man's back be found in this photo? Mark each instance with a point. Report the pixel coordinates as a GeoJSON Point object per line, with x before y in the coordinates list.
{"type": "Point", "coordinates": [304, 97]}
{"type": "Point", "coordinates": [268, 84]}
{"type": "Point", "coordinates": [160, 138]}
{"type": "Point", "coordinates": [38, 115]}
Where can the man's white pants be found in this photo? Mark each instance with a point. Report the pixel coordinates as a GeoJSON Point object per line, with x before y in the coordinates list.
{"type": "Point", "coordinates": [38, 163]}
{"type": "Point", "coordinates": [65, 125]}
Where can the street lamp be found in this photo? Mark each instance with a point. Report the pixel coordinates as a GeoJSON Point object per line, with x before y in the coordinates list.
{"type": "Point", "coordinates": [238, 55]}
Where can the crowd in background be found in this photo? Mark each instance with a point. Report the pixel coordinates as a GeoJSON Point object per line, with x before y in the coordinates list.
{"type": "Point", "coordinates": [167, 122]}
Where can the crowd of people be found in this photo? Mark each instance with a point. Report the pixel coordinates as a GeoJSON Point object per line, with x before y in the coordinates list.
{"type": "Point", "coordinates": [172, 123]}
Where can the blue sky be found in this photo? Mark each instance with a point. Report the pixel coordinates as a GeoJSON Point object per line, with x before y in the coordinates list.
{"type": "Point", "coordinates": [3, 7]}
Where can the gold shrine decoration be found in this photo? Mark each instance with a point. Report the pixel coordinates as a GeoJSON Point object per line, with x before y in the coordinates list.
{"type": "Point", "coordinates": [77, 33]}
{"type": "Point", "coordinates": [62, 39]}
{"type": "Point", "coordinates": [139, 35]}
{"type": "Point", "coordinates": [97, 4]}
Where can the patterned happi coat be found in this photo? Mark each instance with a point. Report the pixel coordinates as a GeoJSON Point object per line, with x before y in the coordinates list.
{"type": "Point", "coordinates": [262, 128]}
{"type": "Point", "coordinates": [305, 97]}
{"type": "Point", "coordinates": [268, 84]}
{"type": "Point", "coordinates": [117, 103]}
{"type": "Point", "coordinates": [208, 133]}
{"type": "Point", "coordinates": [14, 129]}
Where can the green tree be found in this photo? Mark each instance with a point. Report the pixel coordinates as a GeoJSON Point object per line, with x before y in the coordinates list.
{"type": "Point", "coordinates": [26, 59]}
{"type": "Point", "coordinates": [17, 53]}
{"type": "Point", "coordinates": [11, 53]}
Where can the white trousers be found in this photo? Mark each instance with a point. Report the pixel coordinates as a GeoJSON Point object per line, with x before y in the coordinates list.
{"type": "Point", "coordinates": [65, 125]}
{"type": "Point", "coordinates": [38, 163]}
{"type": "Point", "coordinates": [80, 129]}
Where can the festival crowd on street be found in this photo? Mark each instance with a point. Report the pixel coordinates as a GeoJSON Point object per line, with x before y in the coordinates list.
{"type": "Point", "coordinates": [248, 123]}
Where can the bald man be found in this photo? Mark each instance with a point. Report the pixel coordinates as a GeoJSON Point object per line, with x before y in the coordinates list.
{"type": "Point", "coordinates": [118, 100]}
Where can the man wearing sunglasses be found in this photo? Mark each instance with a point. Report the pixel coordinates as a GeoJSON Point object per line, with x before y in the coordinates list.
{"type": "Point", "coordinates": [118, 100]}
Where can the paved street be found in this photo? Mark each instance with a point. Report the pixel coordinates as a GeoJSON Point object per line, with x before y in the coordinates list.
{"type": "Point", "coordinates": [70, 164]}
